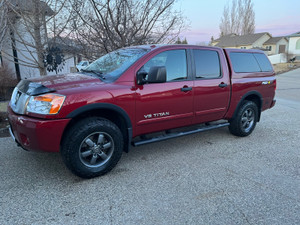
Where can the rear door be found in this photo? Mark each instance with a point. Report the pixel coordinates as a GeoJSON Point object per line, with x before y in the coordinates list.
{"type": "Point", "coordinates": [161, 106]}
{"type": "Point", "coordinates": [212, 84]}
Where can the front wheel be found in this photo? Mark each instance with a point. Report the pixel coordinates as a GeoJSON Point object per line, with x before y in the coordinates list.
{"type": "Point", "coordinates": [92, 147]}
{"type": "Point", "coordinates": [245, 121]}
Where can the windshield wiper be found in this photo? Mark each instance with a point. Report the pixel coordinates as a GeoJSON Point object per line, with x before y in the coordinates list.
{"type": "Point", "coordinates": [98, 73]}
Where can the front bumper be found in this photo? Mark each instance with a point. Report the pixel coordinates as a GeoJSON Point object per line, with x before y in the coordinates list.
{"type": "Point", "coordinates": [36, 134]}
{"type": "Point", "coordinates": [273, 103]}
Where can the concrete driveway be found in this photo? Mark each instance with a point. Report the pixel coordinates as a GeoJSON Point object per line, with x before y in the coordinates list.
{"type": "Point", "coordinates": [206, 178]}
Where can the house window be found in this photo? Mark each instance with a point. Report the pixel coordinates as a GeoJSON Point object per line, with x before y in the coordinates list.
{"type": "Point", "coordinates": [243, 47]}
{"type": "Point", "coordinates": [269, 48]}
{"type": "Point", "coordinates": [298, 44]}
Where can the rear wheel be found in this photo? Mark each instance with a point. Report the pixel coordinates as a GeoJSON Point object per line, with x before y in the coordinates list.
{"type": "Point", "coordinates": [245, 121]}
{"type": "Point", "coordinates": [92, 147]}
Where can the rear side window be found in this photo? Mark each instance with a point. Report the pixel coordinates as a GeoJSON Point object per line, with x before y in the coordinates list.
{"type": "Point", "coordinates": [207, 64]}
{"type": "Point", "coordinates": [244, 62]}
{"type": "Point", "coordinates": [263, 62]}
{"type": "Point", "coordinates": [249, 62]}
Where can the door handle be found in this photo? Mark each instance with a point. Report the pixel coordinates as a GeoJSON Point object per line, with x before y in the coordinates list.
{"type": "Point", "coordinates": [222, 85]}
{"type": "Point", "coordinates": [186, 89]}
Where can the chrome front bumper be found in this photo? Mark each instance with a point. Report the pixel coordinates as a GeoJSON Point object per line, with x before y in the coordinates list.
{"type": "Point", "coordinates": [11, 133]}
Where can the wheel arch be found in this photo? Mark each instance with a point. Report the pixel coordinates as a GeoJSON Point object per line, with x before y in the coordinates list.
{"type": "Point", "coordinates": [253, 96]}
{"type": "Point", "coordinates": [106, 110]}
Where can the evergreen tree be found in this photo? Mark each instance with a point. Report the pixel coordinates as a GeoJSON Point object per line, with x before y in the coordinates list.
{"type": "Point", "coordinates": [178, 41]}
{"type": "Point", "coordinates": [184, 41]}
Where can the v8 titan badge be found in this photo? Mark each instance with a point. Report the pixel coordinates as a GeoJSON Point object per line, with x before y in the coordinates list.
{"type": "Point", "coordinates": [156, 115]}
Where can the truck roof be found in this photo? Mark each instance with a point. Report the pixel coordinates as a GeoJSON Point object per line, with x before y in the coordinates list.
{"type": "Point", "coordinates": [243, 50]}
{"type": "Point", "coordinates": [156, 46]}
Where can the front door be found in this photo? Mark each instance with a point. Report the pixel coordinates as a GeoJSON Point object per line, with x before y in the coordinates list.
{"type": "Point", "coordinates": [162, 106]}
{"type": "Point", "coordinates": [281, 49]}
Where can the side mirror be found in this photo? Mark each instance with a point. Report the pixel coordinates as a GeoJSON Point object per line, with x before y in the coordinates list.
{"type": "Point", "coordinates": [157, 74]}
{"type": "Point", "coordinates": [141, 77]}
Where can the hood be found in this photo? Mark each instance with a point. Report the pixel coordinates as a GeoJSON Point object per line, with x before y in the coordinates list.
{"type": "Point", "coordinates": [41, 85]}
{"type": "Point", "coordinates": [66, 81]}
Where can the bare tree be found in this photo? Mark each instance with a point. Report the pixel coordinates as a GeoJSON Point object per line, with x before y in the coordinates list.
{"type": "Point", "coordinates": [225, 26]}
{"type": "Point", "coordinates": [248, 18]}
{"type": "Point", "coordinates": [111, 24]}
{"type": "Point", "coordinates": [31, 23]}
{"type": "Point", "coordinates": [102, 25]}
{"type": "Point", "coordinates": [3, 21]}
{"type": "Point", "coordinates": [238, 19]}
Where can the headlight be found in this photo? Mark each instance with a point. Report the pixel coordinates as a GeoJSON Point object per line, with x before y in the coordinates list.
{"type": "Point", "coordinates": [45, 104]}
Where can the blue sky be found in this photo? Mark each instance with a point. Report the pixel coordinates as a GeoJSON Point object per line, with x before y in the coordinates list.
{"type": "Point", "coordinates": [278, 17]}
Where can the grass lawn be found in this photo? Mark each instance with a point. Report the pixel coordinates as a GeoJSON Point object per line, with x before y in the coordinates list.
{"type": "Point", "coordinates": [3, 106]}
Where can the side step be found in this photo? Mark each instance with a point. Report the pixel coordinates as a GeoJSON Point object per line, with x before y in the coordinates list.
{"type": "Point", "coordinates": [177, 134]}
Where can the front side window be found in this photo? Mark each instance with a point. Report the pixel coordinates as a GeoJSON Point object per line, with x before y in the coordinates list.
{"type": "Point", "coordinates": [207, 64]}
{"type": "Point", "coordinates": [174, 61]}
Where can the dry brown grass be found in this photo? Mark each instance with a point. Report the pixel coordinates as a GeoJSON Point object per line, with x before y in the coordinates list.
{"type": "Point", "coordinates": [285, 67]}
{"type": "Point", "coordinates": [3, 106]}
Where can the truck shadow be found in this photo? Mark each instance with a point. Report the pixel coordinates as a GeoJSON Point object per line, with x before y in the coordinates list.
{"type": "Point", "coordinates": [38, 167]}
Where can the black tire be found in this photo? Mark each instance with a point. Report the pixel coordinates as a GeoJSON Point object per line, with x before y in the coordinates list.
{"type": "Point", "coordinates": [92, 147]}
{"type": "Point", "coordinates": [245, 120]}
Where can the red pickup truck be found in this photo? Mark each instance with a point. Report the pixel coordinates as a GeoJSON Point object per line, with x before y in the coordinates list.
{"type": "Point", "coordinates": [138, 95]}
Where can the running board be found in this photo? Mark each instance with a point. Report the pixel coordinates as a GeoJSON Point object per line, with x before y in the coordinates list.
{"type": "Point", "coordinates": [178, 134]}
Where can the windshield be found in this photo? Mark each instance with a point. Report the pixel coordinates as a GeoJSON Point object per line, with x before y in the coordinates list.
{"type": "Point", "coordinates": [113, 64]}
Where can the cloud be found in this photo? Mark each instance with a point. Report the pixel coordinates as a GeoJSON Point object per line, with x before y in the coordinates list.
{"type": "Point", "coordinates": [280, 27]}
{"type": "Point", "coordinates": [195, 33]}
{"type": "Point", "coordinates": [279, 30]}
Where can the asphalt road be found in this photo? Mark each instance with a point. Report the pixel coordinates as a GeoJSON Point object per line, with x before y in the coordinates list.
{"type": "Point", "coordinates": [206, 178]}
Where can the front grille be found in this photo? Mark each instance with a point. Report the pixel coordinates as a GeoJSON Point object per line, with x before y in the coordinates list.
{"type": "Point", "coordinates": [18, 101]}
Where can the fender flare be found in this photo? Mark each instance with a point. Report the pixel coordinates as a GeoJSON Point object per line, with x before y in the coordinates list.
{"type": "Point", "coordinates": [244, 97]}
{"type": "Point", "coordinates": [99, 106]}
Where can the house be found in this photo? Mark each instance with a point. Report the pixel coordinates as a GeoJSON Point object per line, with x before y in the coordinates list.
{"type": "Point", "coordinates": [294, 45]}
{"type": "Point", "coordinates": [264, 41]}
{"type": "Point", "coordinates": [248, 41]}
{"type": "Point", "coordinates": [18, 53]}
{"type": "Point", "coordinates": [276, 45]}
{"type": "Point", "coordinates": [71, 52]}
{"type": "Point", "coordinates": [19, 57]}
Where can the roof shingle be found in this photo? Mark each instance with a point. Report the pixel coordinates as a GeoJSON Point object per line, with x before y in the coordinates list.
{"type": "Point", "coordinates": [297, 34]}
{"type": "Point", "coordinates": [237, 40]}
{"type": "Point", "coordinates": [273, 40]}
